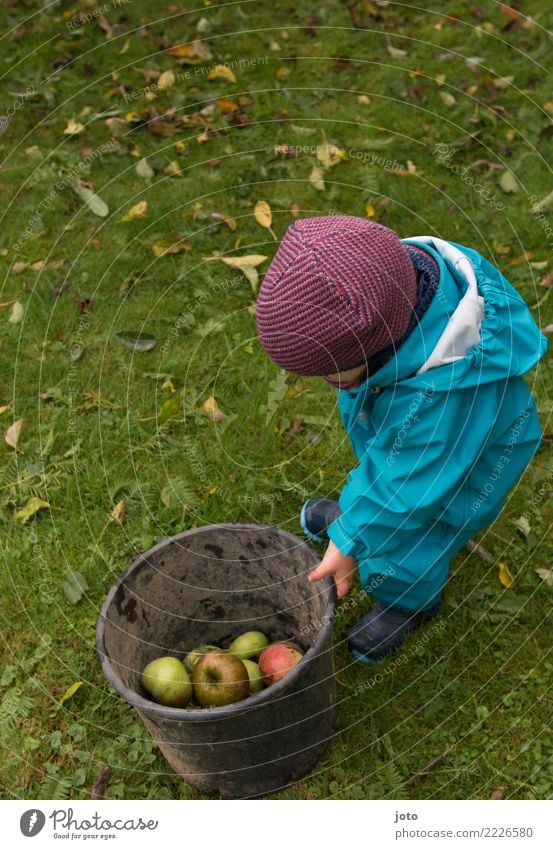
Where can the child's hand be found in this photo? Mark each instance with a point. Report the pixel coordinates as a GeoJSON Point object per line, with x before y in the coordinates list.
{"type": "Point", "coordinates": [341, 568]}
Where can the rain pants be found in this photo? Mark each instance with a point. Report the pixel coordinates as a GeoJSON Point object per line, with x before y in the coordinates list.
{"type": "Point", "coordinates": [442, 431]}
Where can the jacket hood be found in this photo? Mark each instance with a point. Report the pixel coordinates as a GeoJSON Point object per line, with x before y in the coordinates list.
{"type": "Point", "coordinates": [477, 329]}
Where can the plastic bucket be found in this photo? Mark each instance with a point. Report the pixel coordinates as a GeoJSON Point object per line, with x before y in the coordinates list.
{"type": "Point", "coordinates": [208, 585]}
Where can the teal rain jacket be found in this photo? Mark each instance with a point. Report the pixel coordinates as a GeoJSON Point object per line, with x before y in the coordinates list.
{"type": "Point", "coordinates": [442, 431]}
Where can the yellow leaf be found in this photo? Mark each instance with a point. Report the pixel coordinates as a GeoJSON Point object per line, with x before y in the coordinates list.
{"type": "Point", "coordinates": [251, 273]}
{"type": "Point", "coordinates": [370, 210]}
{"type": "Point", "coordinates": [73, 128]}
{"type": "Point", "coordinates": [264, 216]}
{"type": "Point", "coordinates": [168, 384]}
{"type": "Point", "coordinates": [221, 72]}
{"type": "Point", "coordinates": [225, 104]}
{"type": "Point", "coordinates": [32, 506]}
{"type": "Point", "coordinates": [118, 512]}
{"type": "Point", "coordinates": [329, 154]}
{"type": "Point", "coordinates": [211, 407]}
{"type": "Point", "coordinates": [12, 434]}
{"type": "Point", "coordinates": [505, 576]}
{"type": "Point", "coordinates": [137, 211]}
{"type": "Point", "coordinates": [241, 261]}
{"type": "Point", "coordinates": [166, 80]}
{"type": "Point", "coordinates": [440, 79]}
{"type": "Point", "coordinates": [4, 408]}
{"type": "Point", "coordinates": [71, 691]}
{"type": "Point", "coordinates": [173, 169]}
{"type": "Point", "coordinates": [447, 98]}
{"type": "Point", "coordinates": [202, 138]}
{"type": "Point", "coordinates": [170, 246]}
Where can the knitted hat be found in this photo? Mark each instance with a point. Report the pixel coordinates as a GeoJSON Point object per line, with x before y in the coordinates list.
{"type": "Point", "coordinates": [338, 290]}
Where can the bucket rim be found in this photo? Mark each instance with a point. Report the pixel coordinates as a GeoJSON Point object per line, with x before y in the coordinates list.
{"type": "Point", "coordinates": [202, 714]}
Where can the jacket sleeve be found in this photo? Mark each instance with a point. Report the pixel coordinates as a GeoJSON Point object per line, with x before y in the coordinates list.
{"type": "Point", "coordinates": [413, 468]}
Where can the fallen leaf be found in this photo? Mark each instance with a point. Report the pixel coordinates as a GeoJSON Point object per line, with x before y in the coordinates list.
{"type": "Point", "coordinates": [166, 80]}
{"type": "Point", "coordinates": [32, 506]}
{"type": "Point", "coordinates": [73, 128]}
{"type": "Point", "coordinates": [137, 211]}
{"type": "Point", "coordinates": [211, 407]}
{"type": "Point", "coordinates": [144, 169]}
{"type": "Point", "coordinates": [240, 261]}
{"type": "Point", "coordinates": [505, 577]}
{"type": "Point", "coordinates": [176, 245]}
{"type": "Point", "coordinates": [329, 155]}
{"type": "Point", "coordinates": [74, 586]}
{"type": "Point", "coordinates": [370, 211]}
{"type": "Point", "coordinates": [547, 280]}
{"type": "Point", "coordinates": [71, 691]}
{"type": "Point", "coordinates": [251, 274]}
{"type": "Point", "coordinates": [546, 575]}
{"type": "Point", "coordinates": [447, 98]}
{"type": "Point", "coordinates": [498, 794]}
{"type": "Point", "coordinates": [523, 525]}
{"type": "Point", "coordinates": [221, 72]}
{"type": "Point", "coordinates": [316, 178]}
{"type": "Point", "coordinates": [12, 434]}
{"type": "Point", "coordinates": [264, 216]}
{"type": "Point", "coordinates": [508, 183]}
{"type": "Point", "coordinates": [192, 54]}
{"type": "Point", "coordinates": [136, 341]}
{"type": "Point", "coordinates": [118, 512]}
{"type": "Point", "coordinates": [547, 329]}
{"type": "Point", "coordinates": [227, 105]}
{"type": "Point", "coordinates": [16, 313]}
{"type": "Point", "coordinates": [170, 408]}
{"type": "Point", "coordinates": [230, 222]}
{"type": "Point", "coordinates": [173, 169]}
{"type": "Point", "coordinates": [92, 200]}
{"type": "Point", "coordinates": [395, 52]}
{"type": "Point", "coordinates": [502, 82]}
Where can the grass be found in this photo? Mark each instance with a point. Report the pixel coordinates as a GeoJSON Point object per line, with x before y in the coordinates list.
{"type": "Point", "coordinates": [477, 689]}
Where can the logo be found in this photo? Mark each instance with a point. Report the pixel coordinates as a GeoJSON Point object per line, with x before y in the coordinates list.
{"type": "Point", "coordinates": [32, 822]}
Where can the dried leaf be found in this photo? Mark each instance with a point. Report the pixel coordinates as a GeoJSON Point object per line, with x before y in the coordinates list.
{"type": "Point", "coordinates": [240, 261]}
{"type": "Point", "coordinates": [547, 329]}
{"type": "Point", "coordinates": [447, 98]}
{"type": "Point", "coordinates": [71, 691]}
{"type": "Point", "coordinates": [144, 169]}
{"type": "Point", "coordinates": [523, 525]}
{"type": "Point", "coordinates": [166, 80]}
{"type": "Point", "coordinates": [135, 341]}
{"type": "Point", "coordinates": [221, 72]}
{"type": "Point", "coordinates": [329, 154]}
{"type": "Point", "coordinates": [173, 169]}
{"type": "Point", "coordinates": [32, 506]}
{"type": "Point", "coordinates": [73, 128]}
{"type": "Point", "coordinates": [230, 222]}
{"type": "Point", "coordinates": [137, 211]}
{"type": "Point", "coordinates": [395, 52]}
{"type": "Point", "coordinates": [370, 211]}
{"type": "Point", "coordinates": [264, 216]}
{"type": "Point", "coordinates": [508, 183]}
{"type": "Point", "coordinates": [316, 178]}
{"type": "Point", "coordinates": [16, 313]}
{"type": "Point", "coordinates": [505, 576]}
{"type": "Point", "coordinates": [92, 200]}
{"type": "Point", "coordinates": [74, 586]}
{"type": "Point", "coordinates": [503, 82]}
{"type": "Point", "coordinates": [546, 575]}
{"type": "Point", "coordinates": [12, 434]}
{"type": "Point", "coordinates": [192, 54]}
{"type": "Point", "coordinates": [118, 512]}
{"type": "Point", "coordinates": [176, 245]}
{"type": "Point", "coordinates": [211, 407]}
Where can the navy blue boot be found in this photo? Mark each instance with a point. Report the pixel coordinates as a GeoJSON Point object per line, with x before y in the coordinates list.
{"type": "Point", "coordinates": [316, 515]}
{"type": "Point", "coordinates": [383, 630]}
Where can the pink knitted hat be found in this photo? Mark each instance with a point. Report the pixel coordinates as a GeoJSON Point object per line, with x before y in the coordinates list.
{"type": "Point", "coordinates": [338, 290]}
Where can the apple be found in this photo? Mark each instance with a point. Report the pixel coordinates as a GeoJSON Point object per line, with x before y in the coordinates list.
{"type": "Point", "coordinates": [193, 657]}
{"type": "Point", "coordinates": [249, 645]}
{"type": "Point", "coordinates": [277, 660]}
{"type": "Point", "coordinates": [167, 681]}
{"type": "Point", "coordinates": [254, 674]}
{"type": "Point", "coordinates": [220, 678]}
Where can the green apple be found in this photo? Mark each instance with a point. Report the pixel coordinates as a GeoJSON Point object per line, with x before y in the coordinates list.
{"type": "Point", "coordinates": [254, 674]}
{"type": "Point", "coordinates": [249, 645]}
{"type": "Point", "coordinates": [193, 657]}
{"type": "Point", "coordinates": [167, 681]}
{"type": "Point", "coordinates": [220, 678]}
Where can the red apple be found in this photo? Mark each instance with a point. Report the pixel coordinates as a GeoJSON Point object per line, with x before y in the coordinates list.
{"type": "Point", "coordinates": [220, 678]}
{"type": "Point", "coordinates": [277, 660]}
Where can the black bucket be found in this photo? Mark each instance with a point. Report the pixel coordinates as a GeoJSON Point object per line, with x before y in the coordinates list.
{"type": "Point", "coordinates": [208, 585]}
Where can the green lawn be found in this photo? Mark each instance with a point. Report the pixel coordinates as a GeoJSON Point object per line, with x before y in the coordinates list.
{"type": "Point", "coordinates": [385, 84]}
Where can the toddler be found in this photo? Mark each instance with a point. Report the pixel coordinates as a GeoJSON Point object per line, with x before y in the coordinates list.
{"type": "Point", "coordinates": [427, 344]}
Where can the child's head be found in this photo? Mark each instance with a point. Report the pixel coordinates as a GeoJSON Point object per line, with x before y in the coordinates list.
{"type": "Point", "coordinates": [339, 290]}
